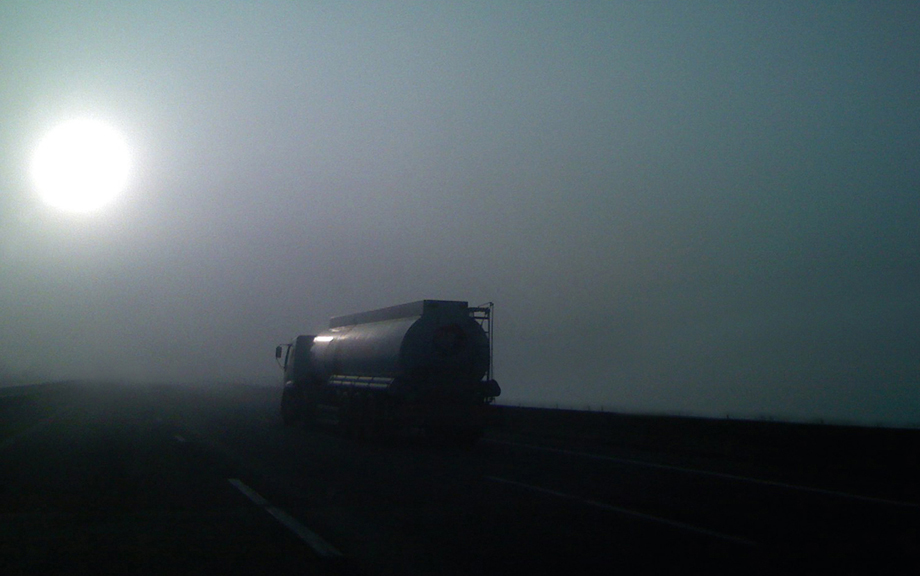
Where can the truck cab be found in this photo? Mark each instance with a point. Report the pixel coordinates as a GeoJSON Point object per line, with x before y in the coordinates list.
{"type": "Point", "coordinates": [296, 366]}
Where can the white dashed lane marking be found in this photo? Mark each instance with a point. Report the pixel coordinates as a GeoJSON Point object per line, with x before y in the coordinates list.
{"type": "Point", "coordinates": [313, 540]}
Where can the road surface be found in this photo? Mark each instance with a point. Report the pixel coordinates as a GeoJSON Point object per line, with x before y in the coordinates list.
{"type": "Point", "coordinates": [205, 479]}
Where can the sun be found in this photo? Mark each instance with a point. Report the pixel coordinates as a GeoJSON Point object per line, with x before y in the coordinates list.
{"type": "Point", "coordinates": [81, 166]}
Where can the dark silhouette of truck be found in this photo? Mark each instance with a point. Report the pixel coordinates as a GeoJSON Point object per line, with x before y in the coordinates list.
{"type": "Point", "coordinates": [424, 365]}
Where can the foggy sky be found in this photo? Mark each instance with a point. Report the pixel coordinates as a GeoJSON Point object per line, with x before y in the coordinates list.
{"type": "Point", "coordinates": [696, 208]}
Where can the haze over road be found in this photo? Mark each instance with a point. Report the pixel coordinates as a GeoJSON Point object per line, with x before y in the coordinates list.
{"type": "Point", "coordinates": [705, 208]}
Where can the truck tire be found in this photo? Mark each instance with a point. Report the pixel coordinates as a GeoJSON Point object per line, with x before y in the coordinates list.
{"type": "Point", "coordinates": [291, 407]}
{"type": "Point", "coordinates": [454, 436]}
{"type": "Point", "coordinates": [347, 420]}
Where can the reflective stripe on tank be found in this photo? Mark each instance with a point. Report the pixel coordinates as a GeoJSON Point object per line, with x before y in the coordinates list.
{"type": "Point", "coordinates": [360, 381]}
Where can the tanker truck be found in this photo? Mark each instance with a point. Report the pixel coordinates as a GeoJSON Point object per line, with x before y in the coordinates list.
{"type": "Point", "coordinates": [424, 365]}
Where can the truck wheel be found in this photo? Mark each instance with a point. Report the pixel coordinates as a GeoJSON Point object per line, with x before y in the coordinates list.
{"type": "Point", "coordinates": [454, 436]}
{"type": "Point", "coordinates": [308, 414]}
{"type": "Point", "coordinates": [365, 415]}
{"type": "Point", "coordinates": [346, 417]}
{"type": "Point", "coordinates": [291, 407]}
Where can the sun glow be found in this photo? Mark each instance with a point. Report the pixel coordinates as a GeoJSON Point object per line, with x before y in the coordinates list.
{"type": "Point", "coordinates": [81, 166]}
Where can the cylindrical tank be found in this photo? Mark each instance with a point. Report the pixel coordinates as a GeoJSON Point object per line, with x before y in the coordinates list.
{"type": "Point", "coordinates": [421, 343]}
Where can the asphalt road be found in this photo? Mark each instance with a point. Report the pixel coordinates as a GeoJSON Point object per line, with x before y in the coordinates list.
{"type": "Point", "coordinates": [175, 479]}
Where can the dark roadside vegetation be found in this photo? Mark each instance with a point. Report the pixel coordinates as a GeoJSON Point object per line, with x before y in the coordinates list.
{"type": "Point", "coordinates": [853, 457]}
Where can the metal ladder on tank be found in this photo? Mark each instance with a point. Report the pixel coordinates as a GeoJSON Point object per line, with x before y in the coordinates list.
{"type": "Point", "coordinates": [485, 314]}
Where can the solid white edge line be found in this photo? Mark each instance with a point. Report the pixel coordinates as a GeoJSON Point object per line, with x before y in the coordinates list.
{"type": "Point", "coordinates": [714, 474]}
{"type": "Point", "coordinates": [313, 540]}
{"type": "Point", "coordinates": [628, 512]}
